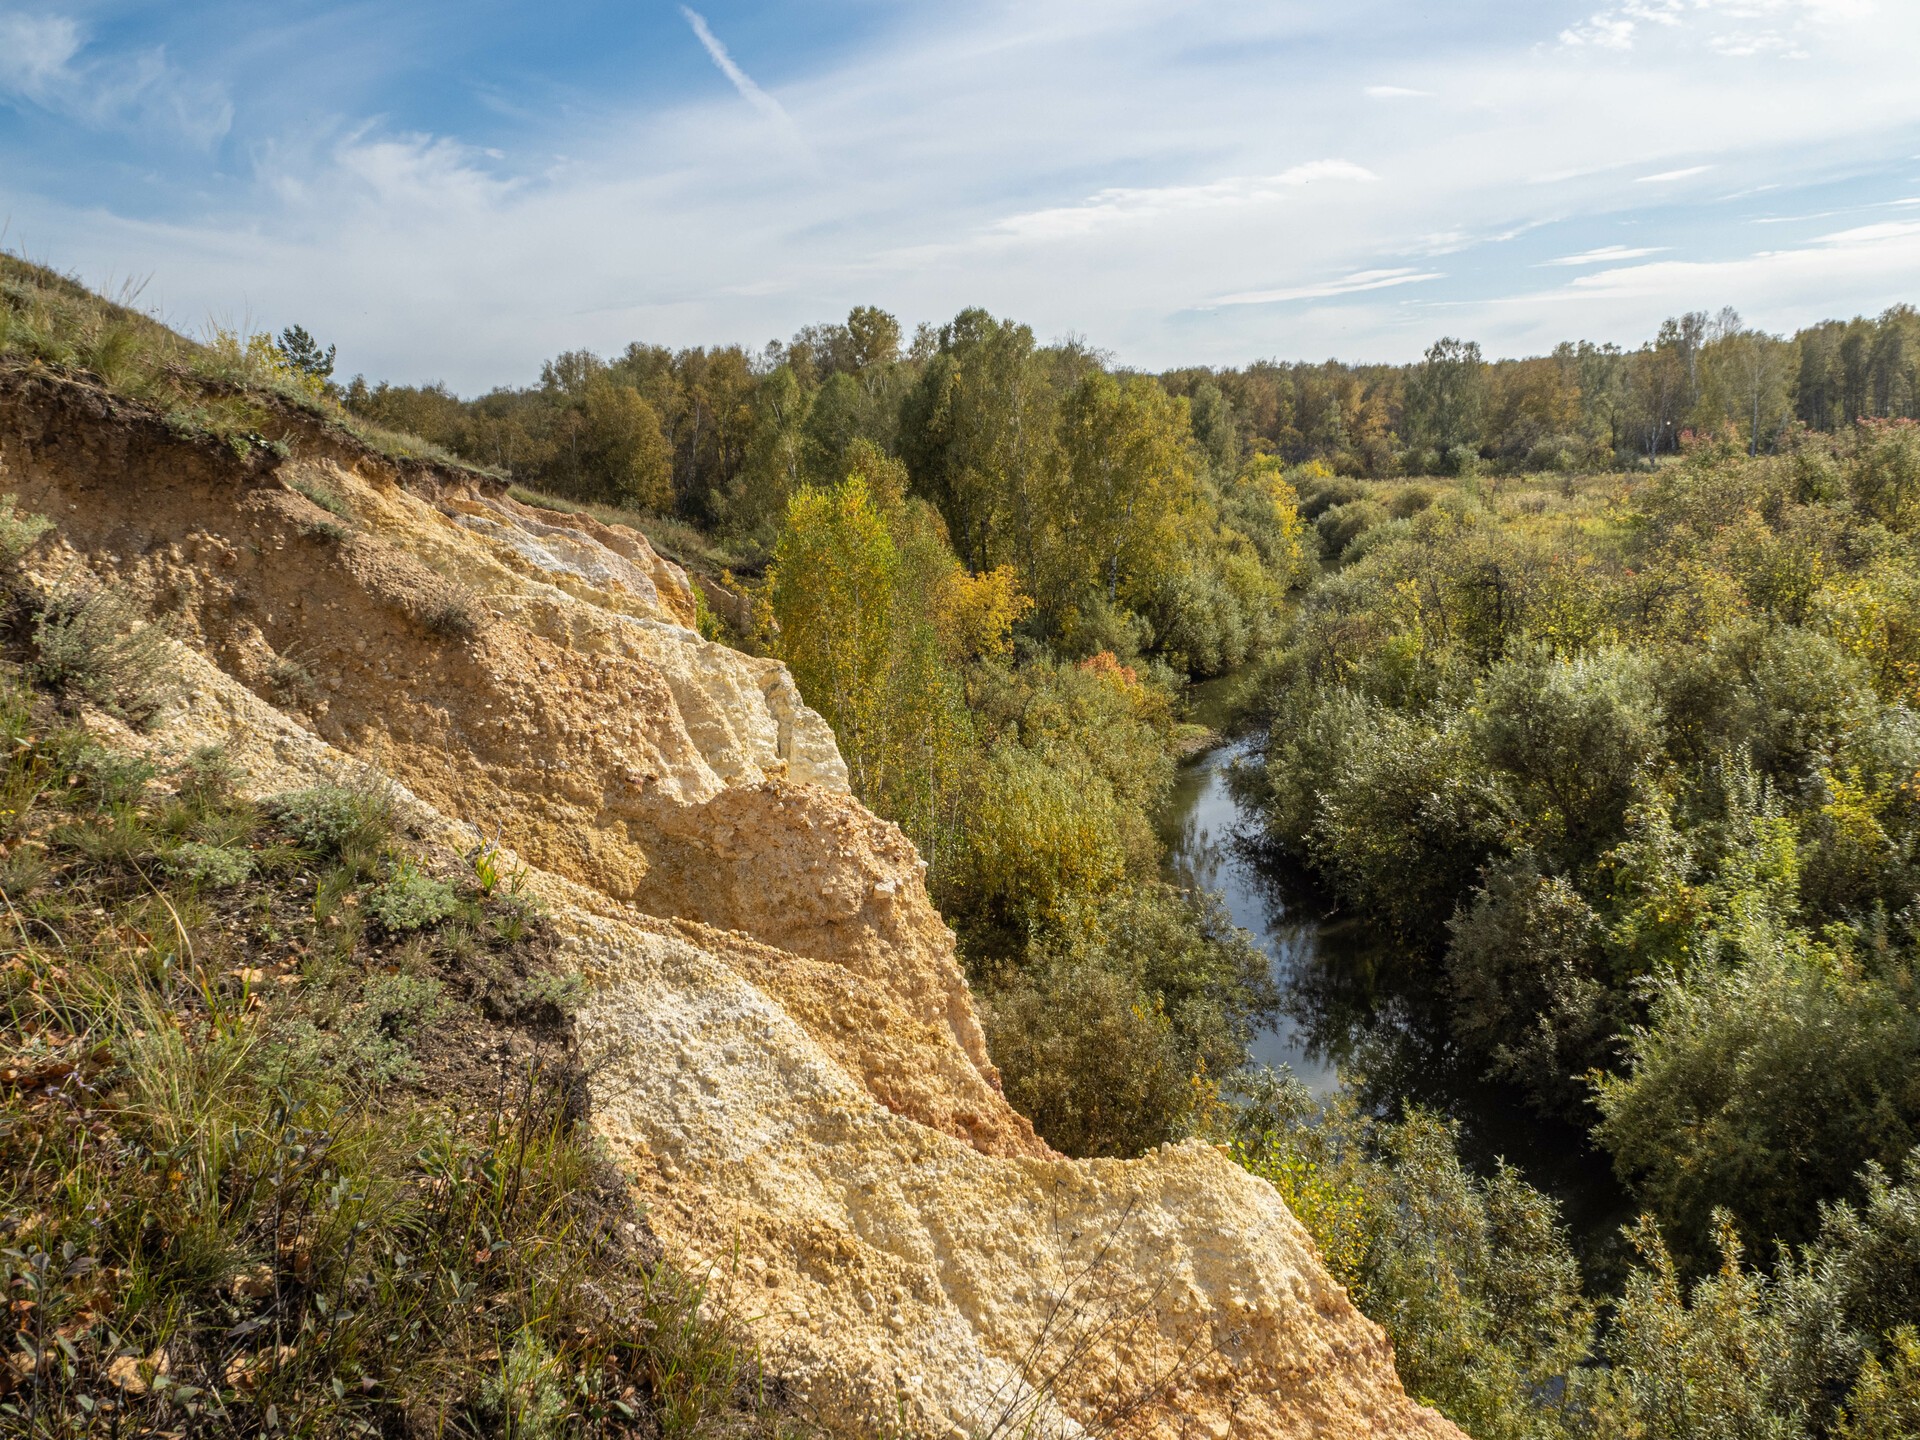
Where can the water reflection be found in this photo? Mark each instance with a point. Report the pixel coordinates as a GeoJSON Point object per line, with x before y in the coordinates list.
{"type": "Point", "coordinates": [1207, 850]}
{"type": "Point", "coordinates": [1354, 1005]}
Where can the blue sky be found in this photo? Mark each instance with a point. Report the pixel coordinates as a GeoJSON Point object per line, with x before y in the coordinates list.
{"type": "Point", "coordinates": [456, 191]}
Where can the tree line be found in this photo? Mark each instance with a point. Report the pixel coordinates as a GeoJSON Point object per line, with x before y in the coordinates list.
{"type": "Point", "coordinates": [720, 436]}
{"type": "Point", "coordinates": [1088, 484]}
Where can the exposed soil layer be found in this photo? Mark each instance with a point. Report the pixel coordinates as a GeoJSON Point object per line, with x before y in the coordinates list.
{"type": "Point", "coordinates": [781, 1048]}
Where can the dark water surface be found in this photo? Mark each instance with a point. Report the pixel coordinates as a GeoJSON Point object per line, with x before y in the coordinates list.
{"type": "Point", "coordinates": [1354, 1005]}
{"type": "Point", "coordinates": [1206, 837]}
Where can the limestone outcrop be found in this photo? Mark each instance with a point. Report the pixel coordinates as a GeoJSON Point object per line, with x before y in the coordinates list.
{"type": "Point", "coordinates": [785, 1055]}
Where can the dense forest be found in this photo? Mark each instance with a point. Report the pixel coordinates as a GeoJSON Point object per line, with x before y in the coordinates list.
{"type": "Point", "coordinates": [1589, 682]}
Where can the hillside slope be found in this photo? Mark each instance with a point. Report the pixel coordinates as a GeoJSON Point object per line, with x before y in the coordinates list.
{"type": "Point", "coordinates": [782, 1048]}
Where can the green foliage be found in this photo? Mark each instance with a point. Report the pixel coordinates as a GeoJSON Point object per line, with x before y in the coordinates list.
{"type": "Point", "coordinates": [410, 901]}
{"type": "Point", "coordinates": [229, 1206]}
{"type": "Point", "coordinates": [19, 533]}
{"type": "Point", "coordinates": [1341, 525]}
{"type": "Point", "coordinates": [1637, 771]}
{"type": "Point", "coordinates": [1408, 817]}
{"type": "Point", "coordinates": [1093, 490]}
{"type": "Point", "coordinates": [1850, 1298]}
{"type": "Point", "coordinates": [1885, 1404]}
{"type": "Point", "coordinates": [1472, 1278]}
{"type": "Point", "coordinates": [1708, 1361]}
{"type": "Point", "coordinates": [833, 591]}
{"type": "Point", "coordinates": [1446, 394]}
{"type": "Point", "coordinates": [620, 441]}
{"type": "Point", "coordinates": [1493, 1315]}
{"type": "Point", "coordinates": [353, 820]}
{"type": "Point", "coordinates": [1113, 1029]}
{"type": "Point", "coordinates": [1044, 831]}
{"type": "Point", "coordinates": [453, 613]}
{"type": "Point", "coordinates": [1573, 739]}
{"type": "Point", "coordinates": [525, 1399]}
{"type": "Point", "coordinates": [1762, 1086]}
{"type": "Point", "coordinates": [1114, 1006]}
{"type": "Point", "coordinates": [304, 354]}
{"type": "Point", "coordinates": [1089, 1059]}
{"type": "Point", "coordinates": [1529, 983]}
{"type": "Point", "coordinates": [218, 867]}
{"type": "Point", "coordinates": [92, 646]}
{"type": "Point", "coordinates": [323, 495]}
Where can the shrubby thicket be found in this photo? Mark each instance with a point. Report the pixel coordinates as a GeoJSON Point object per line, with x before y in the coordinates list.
{"type": "Point", "coordinates": [1474, 1280]}
{"type": "Point", "coordinates": [1634, 766]}
{"type": "Point", "coordinates": [1114, 1002]}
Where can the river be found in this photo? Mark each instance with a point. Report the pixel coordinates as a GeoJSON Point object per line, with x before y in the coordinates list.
{"type": "Point", "coordinates": [1353, 1006]}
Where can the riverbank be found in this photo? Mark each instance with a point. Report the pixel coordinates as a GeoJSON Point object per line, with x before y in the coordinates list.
{"type": "Point", "coordinates": [1355, 1014]}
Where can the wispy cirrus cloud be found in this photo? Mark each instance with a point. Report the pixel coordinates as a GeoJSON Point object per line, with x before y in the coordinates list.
{"type": "Point", "coordinates": [43, 63]}
{"type": "Point", "coordinates": [1736, 29]}
{"type": "Point", "coordinates": [1122, 205]}
{"type": "Point", "coordinates": [724, 62]}
{"type": "Point", "coordinates": [1353, 284]}
{"type": "Point", "coordinates": [1888, 250]}
{"type": "Point", "coordinates": [1606, 255]}
{"type": "Point", "coordinates": [1666, 177]}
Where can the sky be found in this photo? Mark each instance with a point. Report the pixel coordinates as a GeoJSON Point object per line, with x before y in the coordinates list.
{"type": "Point", "coordinates": [455, 191]}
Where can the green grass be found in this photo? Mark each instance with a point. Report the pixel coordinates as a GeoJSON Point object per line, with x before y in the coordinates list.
{"type": "Point", "coordinates": [291, 1140]}
{"type": "Point", "coordinates": [233, 388]}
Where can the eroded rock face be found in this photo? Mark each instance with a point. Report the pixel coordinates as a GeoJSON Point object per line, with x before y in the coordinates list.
{"type": "Point", "coordinates": [791, 1066]}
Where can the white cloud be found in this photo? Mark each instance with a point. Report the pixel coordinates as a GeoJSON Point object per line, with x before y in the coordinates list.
{"type": "Point", "coordinates": [1396, 92]}
{"type": "Point", "coordinates": [1744, 45]}
{"type": "Point", "coordinates": [1072, 165]}
{"type": "Point", "coordinates": [1603, 32]}
{"type": "Point", "coordinates": [1666, 176]}
{"type": "Point", "coordinates": [1122, 205]}
{"type": "Point", "coordinates": [1354, 284]}
{"type": "Point", "coordinates": [1606, 255]}
{"type": "Point", "coordinates": [724, 62]}
{"type": "Point", "coordinates": [43, 63]}
{"type": "Point", "coordinates": [35, 52]}
{"type": "Point", "coordinates": [1889, 251]}
{"type": "Point", "coordinates": [1872, 234]}
{"type": "Point", "coordinates": [1723, 25]}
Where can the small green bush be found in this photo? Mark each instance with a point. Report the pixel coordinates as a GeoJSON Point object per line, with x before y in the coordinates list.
{"type": "Point", "coordinates": [524, 1400]}
{"type": "Point", "coordinates": [291, 681]}
{"type": "Point", "coordinates": [411, 901]}
{"type": "Point", "coordinates": [216, 867]}
{"type": "Point", "coordinates": [93, 646]}
{"type": "Point", "coordinates": [1885, 1404]}
{"type": "Point", "coordinates": [335, 819]}
{"type": "Point", "coordinates": [1339, 526]}
{"type": "Point", "coordinates": [325, 496]}
{"type": "Point", "coordinates": [1092, 1061]}
{"type": "Point", "coordinates": [331, 532]}
{"type": "Point", "coordinates": [19, 533]}
{"type": "Point", "coordinates": [1471, 1276]}
{"type": "Point", "coordinates": [454, 616]}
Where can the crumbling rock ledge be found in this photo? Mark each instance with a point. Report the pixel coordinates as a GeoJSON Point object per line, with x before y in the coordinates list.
{"type": "Point", "coordinates": [785, 1054]}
